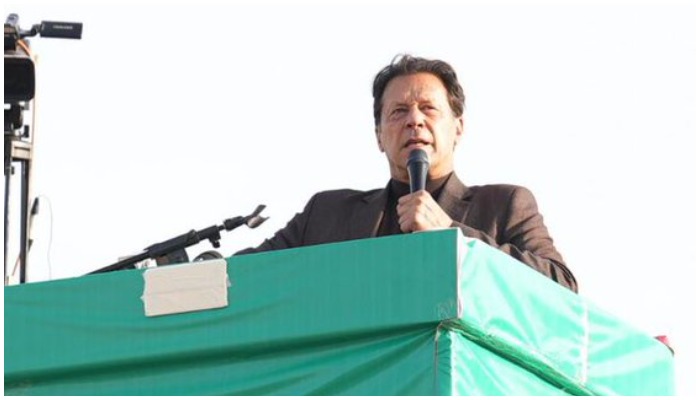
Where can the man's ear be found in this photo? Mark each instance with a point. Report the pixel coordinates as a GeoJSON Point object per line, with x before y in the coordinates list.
{"type": "Point", "coordinates": [460, 130]}
{"type": "Point", "coordinates": [378, 134]}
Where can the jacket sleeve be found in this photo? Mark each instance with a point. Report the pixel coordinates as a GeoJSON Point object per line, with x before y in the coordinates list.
{"type": "Point", "coordinates": [523, 235]}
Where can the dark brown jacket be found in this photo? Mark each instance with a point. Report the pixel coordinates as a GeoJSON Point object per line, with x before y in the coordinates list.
{"type": "Point", "coordinates": [503, 216]}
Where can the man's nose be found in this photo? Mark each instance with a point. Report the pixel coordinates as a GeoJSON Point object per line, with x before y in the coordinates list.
{"type": "Point", "coordinates": [415, 118]}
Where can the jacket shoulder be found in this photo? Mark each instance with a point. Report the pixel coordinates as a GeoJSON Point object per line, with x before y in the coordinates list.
{"type": "Point", "coordinates": [345, 194]}
{"type": "Point", "coordinates": [497, 190]}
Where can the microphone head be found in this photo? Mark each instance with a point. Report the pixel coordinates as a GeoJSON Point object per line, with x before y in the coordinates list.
{"type": "Point", "coordinates": [417, 165]}
{"type": "Point", "coordinates": [417, 156]}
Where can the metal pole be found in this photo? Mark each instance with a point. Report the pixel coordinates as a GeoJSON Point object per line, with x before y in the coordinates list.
{"type": "Point", "coordinates": [8, 174]}
{"type": "Point", "coordinates": [24, 217]}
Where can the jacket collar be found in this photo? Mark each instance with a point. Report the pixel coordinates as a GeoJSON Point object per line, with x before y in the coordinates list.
{"type": "Point", "coordinates": [369, 215]}
{"type": "Point", "coordinates": [455, 198]}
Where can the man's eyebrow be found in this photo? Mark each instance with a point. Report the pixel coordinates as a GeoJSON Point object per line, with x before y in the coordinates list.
{"type": "Point", "coordinates": [397, 103]}
{"type": "Point", "coordinates": [421, 100]}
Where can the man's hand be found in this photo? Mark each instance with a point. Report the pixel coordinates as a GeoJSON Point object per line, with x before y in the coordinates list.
{"type": "Point", "coordinates": [419, 212]}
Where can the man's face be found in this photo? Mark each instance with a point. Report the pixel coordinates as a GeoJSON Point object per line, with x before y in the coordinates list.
{"type": "Point", "coordinates": [417, 114]}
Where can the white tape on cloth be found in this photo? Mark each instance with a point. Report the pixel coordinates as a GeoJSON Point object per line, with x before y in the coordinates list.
{"type": "Point", "coordinates": [185, 287]}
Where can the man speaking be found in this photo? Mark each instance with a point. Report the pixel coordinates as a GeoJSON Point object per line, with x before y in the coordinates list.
{"type": "Point", "coordinates": [418, 116]}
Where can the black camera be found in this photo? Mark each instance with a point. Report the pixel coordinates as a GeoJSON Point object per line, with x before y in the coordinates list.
{"type": "Point", "coordinates": [19, 66]}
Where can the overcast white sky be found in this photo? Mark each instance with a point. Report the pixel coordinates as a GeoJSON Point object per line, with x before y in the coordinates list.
{"type": "Point", "coordinates": [168, 118]}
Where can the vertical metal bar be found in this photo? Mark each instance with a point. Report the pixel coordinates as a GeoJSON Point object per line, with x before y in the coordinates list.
{"type": "Point", "coordinates": [8, 174]}
{"type": "Point", "coordinates": [24, 219]}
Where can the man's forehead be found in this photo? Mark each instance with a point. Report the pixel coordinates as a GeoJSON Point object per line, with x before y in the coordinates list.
{"type": "Point", "coordinates": [411, 90]}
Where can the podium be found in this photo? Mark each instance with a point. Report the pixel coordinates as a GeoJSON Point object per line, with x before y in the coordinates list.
{"type": "Point", "coordinates": [430, 313]}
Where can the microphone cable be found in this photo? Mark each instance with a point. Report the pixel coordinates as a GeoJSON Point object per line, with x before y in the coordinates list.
{"type": "Point", "coordinates": [34, 211]}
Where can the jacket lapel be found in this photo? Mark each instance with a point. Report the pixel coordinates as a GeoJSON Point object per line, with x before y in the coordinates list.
{"type": "Point", "coordinates": [455, 199]}
{"type": "Point", "coordinates": [368, 214]}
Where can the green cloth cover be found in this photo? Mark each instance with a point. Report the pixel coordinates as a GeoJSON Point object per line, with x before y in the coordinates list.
{"type": "Point", "coordinates": [429, 313]}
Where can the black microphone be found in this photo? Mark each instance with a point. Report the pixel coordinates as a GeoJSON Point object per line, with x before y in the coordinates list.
{"type": "Point", "coordinates": [417, 166]}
